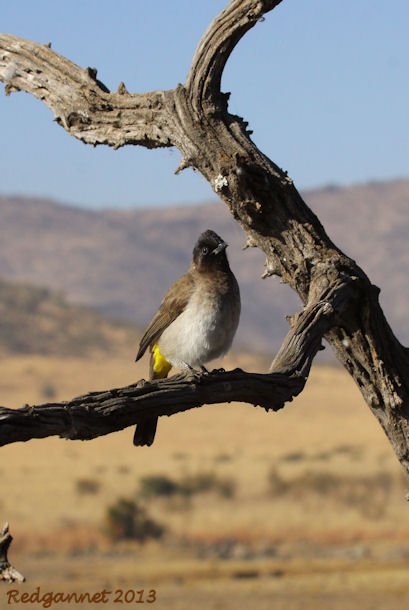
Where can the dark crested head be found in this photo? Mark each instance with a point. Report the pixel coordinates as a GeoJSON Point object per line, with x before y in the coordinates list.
{"type": "Point", "coordinates": [210, 252]}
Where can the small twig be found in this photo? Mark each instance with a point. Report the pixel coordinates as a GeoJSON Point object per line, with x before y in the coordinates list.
{"type": "Point", "coordinates": [7, 572]}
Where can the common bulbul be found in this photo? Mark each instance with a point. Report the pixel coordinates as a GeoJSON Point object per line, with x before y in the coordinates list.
{"type": "Point", "coordinates": [196, 320]}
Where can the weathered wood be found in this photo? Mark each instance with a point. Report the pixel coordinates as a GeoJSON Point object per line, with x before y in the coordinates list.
{"type": "Point", "coordinates": [99, 413]}
{"type": "Point", "coordinates": [7, 572]}
{"type": "Point", "coordinates": [194, 117]}
{"type": "Point", "coordinates": [82, 105]}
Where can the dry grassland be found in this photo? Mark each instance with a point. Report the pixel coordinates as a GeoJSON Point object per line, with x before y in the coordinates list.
{"type": "Point", "coordinates": [316, 517]}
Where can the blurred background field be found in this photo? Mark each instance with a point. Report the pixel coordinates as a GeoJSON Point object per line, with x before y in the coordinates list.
{"type": "Point", "coordinates": [302, 508]}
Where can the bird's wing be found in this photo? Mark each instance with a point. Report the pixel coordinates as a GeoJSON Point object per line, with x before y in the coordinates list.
{"type": "Point", "coordinates": [172, 306]}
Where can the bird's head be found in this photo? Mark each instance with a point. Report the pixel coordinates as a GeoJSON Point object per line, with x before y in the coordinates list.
{"type": "Point", "coordinates": [210, 252]}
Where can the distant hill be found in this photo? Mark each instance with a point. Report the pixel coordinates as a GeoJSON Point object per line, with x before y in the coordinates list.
{"type": "Point", "coordinates": [35, 320]}
{"type": "Point", "coordinates": [122, 261]}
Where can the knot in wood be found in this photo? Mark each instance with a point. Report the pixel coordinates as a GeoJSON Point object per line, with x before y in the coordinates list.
{"type": "Point", "coordinates": [327, 309]}
{"type": "Point", "coordinates": [77, 119]}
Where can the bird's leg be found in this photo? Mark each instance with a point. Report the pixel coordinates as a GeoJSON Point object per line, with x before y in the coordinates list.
{"type": "Point", "coordinates": [189, 367]}
{"type": "Point", "coordinates": [202, 368]}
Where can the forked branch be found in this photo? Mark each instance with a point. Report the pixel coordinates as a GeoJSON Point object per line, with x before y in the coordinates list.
{"type": "Point", "coordinates": [194, 117]}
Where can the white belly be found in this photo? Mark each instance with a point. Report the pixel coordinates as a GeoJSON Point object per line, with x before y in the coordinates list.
{"type": "Point", "coordinates": [204, 331]}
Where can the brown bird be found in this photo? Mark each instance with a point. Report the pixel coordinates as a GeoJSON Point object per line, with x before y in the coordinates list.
{"type": "Point", "coordinates": [196, 321]}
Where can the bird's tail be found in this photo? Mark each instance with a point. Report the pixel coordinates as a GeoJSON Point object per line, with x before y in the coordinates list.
{"type": "Point", "coordinates": [159, 368]}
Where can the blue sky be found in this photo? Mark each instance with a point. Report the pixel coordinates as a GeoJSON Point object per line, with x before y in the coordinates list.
{"type": "Point", "coordinates": [324, 86]}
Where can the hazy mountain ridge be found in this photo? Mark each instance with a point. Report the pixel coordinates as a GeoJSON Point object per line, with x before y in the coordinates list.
{"type": "Point", "coordinates": [123, 261]}
{"type": "Point", "coordinates": [35, 320]}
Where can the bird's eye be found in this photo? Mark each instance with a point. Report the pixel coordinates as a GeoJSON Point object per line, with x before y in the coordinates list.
{"type": "Point", "coordinates": [205, 250]}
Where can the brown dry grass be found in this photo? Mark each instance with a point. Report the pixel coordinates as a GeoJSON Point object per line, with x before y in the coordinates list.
{"type": "Point", "coordinates": [340, 495]}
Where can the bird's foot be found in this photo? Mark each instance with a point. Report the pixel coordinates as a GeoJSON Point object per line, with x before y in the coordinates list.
{"type": "Point", "coordinates": [207, 372]}
{"type": "Point", "coordinates": [189, 368]}
{"type": "Point", "coordinates": [202, 369]}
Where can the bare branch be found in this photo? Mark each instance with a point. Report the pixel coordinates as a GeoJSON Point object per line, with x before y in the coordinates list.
{"type": "Point", "coordinates": [215, 47]}
{"type": "Point", "coordinates": [260, 196]}
{"type": "Point", "coordinates": [80, 102]}
{"type": "Point", "coordinates": [309, 327]}
{"type": "Point", "coordinates": [99, 413]}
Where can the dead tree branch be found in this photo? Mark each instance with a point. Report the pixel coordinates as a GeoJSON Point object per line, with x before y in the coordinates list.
{"type": "Point", "coordinates": [194, 117]}
{"type": "Point", "coordinates": [7, 572]}
{"type": "Point", "coordinates": [99, 413]}
{"type": "Point", "coordinates": [82, 105]}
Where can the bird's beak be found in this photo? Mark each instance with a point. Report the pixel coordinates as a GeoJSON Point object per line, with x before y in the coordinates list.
{"type": "Point", "coordinates": [220, 247]}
